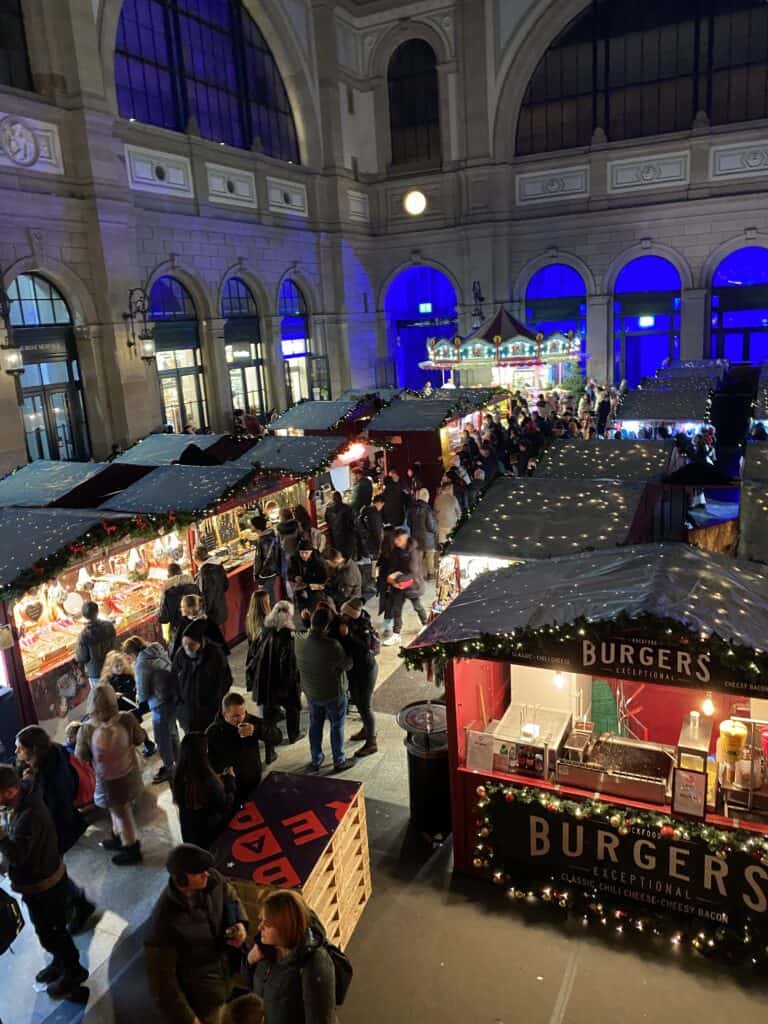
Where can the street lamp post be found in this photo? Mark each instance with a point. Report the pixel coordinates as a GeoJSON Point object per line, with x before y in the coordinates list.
{"type": "Point", "coordinates": [10, 354]}
{"type": "Point", "coordinates": [139, 326]}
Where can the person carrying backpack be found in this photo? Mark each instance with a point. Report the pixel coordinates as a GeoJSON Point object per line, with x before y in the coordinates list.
{"type": "Point", "coordinates": [108, 741]}
{"type": "Point", "coordinates": [299, 975]}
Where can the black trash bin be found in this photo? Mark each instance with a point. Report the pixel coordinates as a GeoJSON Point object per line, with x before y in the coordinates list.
{"type": "Point", "coordinates": [429, 781]}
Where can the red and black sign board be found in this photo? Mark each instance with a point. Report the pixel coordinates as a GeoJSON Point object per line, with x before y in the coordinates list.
{"type": "Point", "coordinates": [637, 864]}
{"type": "Point", "coordinates": [278, 836]}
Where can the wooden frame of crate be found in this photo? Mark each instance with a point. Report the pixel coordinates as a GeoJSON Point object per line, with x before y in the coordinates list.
{"type": "Point", "coordinates": [339, 885]}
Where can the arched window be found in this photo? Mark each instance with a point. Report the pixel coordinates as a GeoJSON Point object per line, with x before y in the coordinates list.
{"type": "Point", "coordinates": [556, 300]}
{"type": "Point", "coordinates": [420, 304]}
{"type": "Point", "coordinates": [740, 306]}
{"type": "Point", "coordinates": [51, 388]}
{"type": "Point", "coordinates": [640, 69]}
{"type": "Point", "coordinates": [306, 370]}
{"type": "Point", "coordinates": [242, 338]}
{"type": "Point", "coordinates": [414, 105]}
{"type": "Point", "coordinates": [14, 61]}
{"type": "Point", "coordinates": [646, 318]}
{"type": "Point", "coordinates": [179, 361]}
{"type": "Point", "coordinates": [206, 60]}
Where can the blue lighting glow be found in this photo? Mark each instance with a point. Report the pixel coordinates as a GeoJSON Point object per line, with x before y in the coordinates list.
{"type": "Point", "coordinates": [646, 318]}
{"type": "Point", "coordinates": [413, 288]}
{"type": "Point", "coordinates": [647, 274]}
{"type": "Point", "coordinates": [747, 266]}
{"type": "Point", "coordinates": [740, 306]}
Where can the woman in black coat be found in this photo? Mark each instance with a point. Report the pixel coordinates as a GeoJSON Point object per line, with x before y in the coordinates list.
{"type": "Point", "coordinates": [202, 675]}
{"type": "Point", "coordinates": [271, 674]}
{"type": "Point", "coordinates": [206, 801]}
{"type": "Point", "coordinates": [308, 575]}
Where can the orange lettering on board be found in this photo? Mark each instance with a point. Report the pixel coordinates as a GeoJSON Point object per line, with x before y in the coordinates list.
{"type": "Point", "coordinates": [339, 808]}
{"type": "Point", "coordinates": [305, 827]}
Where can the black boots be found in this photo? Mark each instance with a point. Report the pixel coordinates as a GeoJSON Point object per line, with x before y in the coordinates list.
{"type": "Point", "coordinates": [128, 855]}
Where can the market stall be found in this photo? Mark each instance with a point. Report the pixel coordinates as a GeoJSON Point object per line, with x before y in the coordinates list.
{"type": "Point", "coordinates": [760, 411]}
{"type": "Point", "coordinates": [639, 461]}
{"type": "Point", "coordinates": [753, 505]}
{"type": "Point", "coordinates": [504, 352]}
{"type": "Point", "coordinates": [164, 449]}
{"type": "Point", "coordinates": [702, 373]}
{"type": "Point", "coordinates": [608, 739]}
{"type": "Point", "coordinates": [662, 412]}
{"type": "Point", "coordinates": [345, 417]}
{"type": "Point", "coordinates": [74, 485]}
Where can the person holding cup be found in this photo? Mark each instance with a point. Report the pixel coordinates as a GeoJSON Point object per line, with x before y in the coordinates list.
{"type": "Point", "coordinates": [233, 742]}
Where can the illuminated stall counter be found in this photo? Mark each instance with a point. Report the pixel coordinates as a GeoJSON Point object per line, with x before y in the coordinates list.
{"type": "Point", "coordinates": [608, 739]}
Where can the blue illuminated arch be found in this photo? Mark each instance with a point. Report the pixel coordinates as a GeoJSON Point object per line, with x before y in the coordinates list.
{"type": "Point", "coordinates": [739, 314]}
{"type": "Point", "coordinates": [646, 317]}
{"type": "Point", "coordinates": [648, 274]}
{"type": "Point", "coordinates": [555, 281]}
{"type": "Point", "coordinates": [420, 303]}
{"type": "Point", "coordinates": [208, 60]}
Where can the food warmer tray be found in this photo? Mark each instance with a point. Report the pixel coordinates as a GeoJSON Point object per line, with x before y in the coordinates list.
{"type": "Point", "coordinates": [623, 766]}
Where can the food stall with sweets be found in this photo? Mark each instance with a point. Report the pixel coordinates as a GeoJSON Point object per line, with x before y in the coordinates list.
{"type": "Point", "coordinates": [428, 430]}
{"type": "Point", "coordinates": [218, 503]}
{"type": "Point", "coordinates": [323, 463]}
{"type": "Point", "coordinates": [608, 738]}
{"type": "Point", "coordinates": [516, 520]}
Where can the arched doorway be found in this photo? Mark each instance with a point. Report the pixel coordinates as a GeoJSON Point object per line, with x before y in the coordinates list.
{"type": "Point", "coordinates": [414, 105]}
{"type": "Point", "coordinates": [646, 318]}
{"type": "Point", "coordinates": [306, 371]}
{"type": "Point", "coordinates": [51, 388]}
{"type": "Point", "coordinates": [740, 306]}
{"type": "Point", "coordinates": [556, 300]}
{"type": "Point", "coordinates": [420, 303]}
{"type": "Point", "coordinates": [243, 346]}
{"type": "Point", "coordinates": [179, 360]}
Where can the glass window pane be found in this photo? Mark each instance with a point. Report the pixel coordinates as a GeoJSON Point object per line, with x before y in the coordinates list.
{"type": "Point", "coordinates": [55, 373]}
{"type": "Point", "coordinates": [14, 62]}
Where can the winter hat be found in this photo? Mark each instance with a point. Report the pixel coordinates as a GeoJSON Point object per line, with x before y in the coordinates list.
{"type": "Point", "coordinates": [196, 630]}
{"type": "Point", "coordinates": [188, 859]}
{"type": "Point", "coordinates": [306, 545]}
{"type": "Point", "coordinates": [259, 523]}
{"type": "Point", "coordinates": [353, 608]}
{"type": "Point", "coordinates": [423, 494]}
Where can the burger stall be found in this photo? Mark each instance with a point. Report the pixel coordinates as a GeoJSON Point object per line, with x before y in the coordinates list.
{"type": "Point", "coordinates": [608, 738]}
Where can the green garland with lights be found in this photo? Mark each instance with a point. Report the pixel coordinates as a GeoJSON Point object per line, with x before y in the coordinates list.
{"type": "Point", "coordinates": [594, 907]}
{"type": "Point", "coordinates": [527, 644]}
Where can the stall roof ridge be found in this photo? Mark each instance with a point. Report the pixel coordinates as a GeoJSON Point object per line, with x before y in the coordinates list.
{"type": "Point", "coordinates": [294, 456]}
{"type": "Point", "coordinates": [42, 482]}
{"type": "Point", "coordinates": [701, 591]}
{"type": "Point", "coordinates": [429, 413]}
{"type": "Point", "coordinates": [185, 489]}
{"type": "Point", "coordinates": [640, 461]}
{"type": "Point", "coordinates": [313, 414]}
{"type": "Point", "coordinates": [164, 449]}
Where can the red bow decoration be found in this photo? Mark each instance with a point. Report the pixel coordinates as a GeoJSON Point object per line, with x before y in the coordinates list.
{"type": "Point", "coordinates": [109, 530]}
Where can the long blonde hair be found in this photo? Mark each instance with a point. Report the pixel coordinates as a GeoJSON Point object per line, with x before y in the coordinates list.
{"type": "Point", "coordinates": [109, 661]}
{"type": "Point", "coordinates": [258, 610]}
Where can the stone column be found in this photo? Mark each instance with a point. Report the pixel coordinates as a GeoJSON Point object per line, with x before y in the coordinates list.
{"type": "Point", "coordinates": [273, 358]}
{"type": "Point", "coordinates": [216, 376]}
{"type": "Point", "coordinates": [599, 347]}
{"type": "Point", "coordinates": [694, 324]}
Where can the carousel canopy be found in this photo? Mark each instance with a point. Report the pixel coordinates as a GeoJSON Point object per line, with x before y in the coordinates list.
{"type": "Point", "coordinates": [756, 461]}
{"type": "Point", "coordinates": [164, 449]}
{"type": "Point", "coordinates": [186, 489]}
{"type": "Point", "coordinates": [294, 456]}
{"type": "Point", "coordinates": [501, 325]}
{"type": "Point", "coordinates": [530, 518]}
{"type": "Point", "coordinates": [702, 593]}
{"type": "Point", "coordinates": [42, 483]}
{"type": "Point", "coordinates": [753, 507]}
{"type": "Point", "coordinates": [315, 415]}
{"type": "Point", "coordinates": [31, 535]}
{"type": "Point", "coordinates": [668, 405]}
{"type": "Point", "coordinates": [605, 460]}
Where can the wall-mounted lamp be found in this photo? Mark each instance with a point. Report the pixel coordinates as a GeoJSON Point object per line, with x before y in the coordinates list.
{"type": "Point", "coordinates": [140, 328]}
{"type": "Point", "coordinates": [11, 358]}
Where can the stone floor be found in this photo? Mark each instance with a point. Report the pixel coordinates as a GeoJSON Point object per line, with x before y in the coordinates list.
{"type": "Point", "coordinates": [431, 947]}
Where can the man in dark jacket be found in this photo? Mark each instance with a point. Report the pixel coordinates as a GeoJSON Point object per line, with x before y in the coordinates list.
{"type": "Point", "coordinates": [233, 742]}
{"type": "Point", "coordinates": [192, 611]}
{"type": "Point", "coordinates": [46, 766]}
{"type": "Point", "coordinates": [342, 527]}
{"type": "Point", "coordinates": [423, 524]}
{"type": "Point", "coordinates": [406, 582]}
{"type": "Point", "coordinates": [308, 574]}
{"type": "Point", "coordinates": [395, 500]}
{"type": "Point", "coordinates": [346, 581]}
{"type": "Point", "coordinates": [97, 639]}
{"type": "Point", "coordinates": [371, 527]}
{"type": "Point", "coordinates": [268, 559]}
{"type": "Point", "coordinates": [213, 583]}
{"type": "Point", "coordinates": [202, 678]}
{"type": "Point", "coordinates": [30, 849]}
{"type": "Point", "coordinates": [177, 586]}
{"type": "Point", "coordinates": [197, 916]}
{"type": "Point", "coordinates": [289, 532]}
{"type": "Point", "coordinates": [362, 491]}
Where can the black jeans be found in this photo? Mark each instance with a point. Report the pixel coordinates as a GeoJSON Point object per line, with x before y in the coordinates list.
{"type": "Point", "coordinates": [48, 913]}
{"type": "Point", "coordinates": [361, 692]}
{"type": "Point", "coordinates": [292, 721]}
{"type": "Point", "coordinates": [399, 597]}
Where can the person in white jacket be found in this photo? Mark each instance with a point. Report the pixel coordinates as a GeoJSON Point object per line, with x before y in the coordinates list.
{"type": "Point", "coordinates": [447, 510]}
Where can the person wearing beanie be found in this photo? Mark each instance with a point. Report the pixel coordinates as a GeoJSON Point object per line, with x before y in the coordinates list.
{"type": "Point", "coordinates": [361, 643]}
{"type": "Point", "coordinates": [269, 562]}
{"type": "Point", "coordinates": [197, 916]}
{"type": "Point", "coordinates": [308, 575]}
{"type": "Point", "coordinates": [202, 677]}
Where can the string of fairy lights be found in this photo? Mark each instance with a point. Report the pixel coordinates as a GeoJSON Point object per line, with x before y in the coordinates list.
{"type": "Point", "coordinates": [595, 460]}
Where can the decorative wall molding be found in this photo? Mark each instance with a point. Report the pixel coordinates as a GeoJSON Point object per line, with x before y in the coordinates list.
{"type": "Point", "coordinates": [231, 187]}
{"type": "Point", "coordinates": [359, 206]}
{"type": "Point", "coordinates": [164, 174]}
{"type": "Point", "coordinates": [284, 196]}
{"type": "Point", "coordinates": [744, 160]}
{"type": "Point", "coordinates": [642, 174]}
{"type": "Point", "coordinates": [30, 144]}
{"type": "Point", "coordinates": [552, 186]}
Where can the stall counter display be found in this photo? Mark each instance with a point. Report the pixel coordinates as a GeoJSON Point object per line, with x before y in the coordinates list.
{"type": "Point", "coordinates": [127, 584]}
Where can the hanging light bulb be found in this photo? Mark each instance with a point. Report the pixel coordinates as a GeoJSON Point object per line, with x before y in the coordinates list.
{"type": "Point", "coordinates": [708, 706]}
{"type": "Point", "coordinates": [559, 680]}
